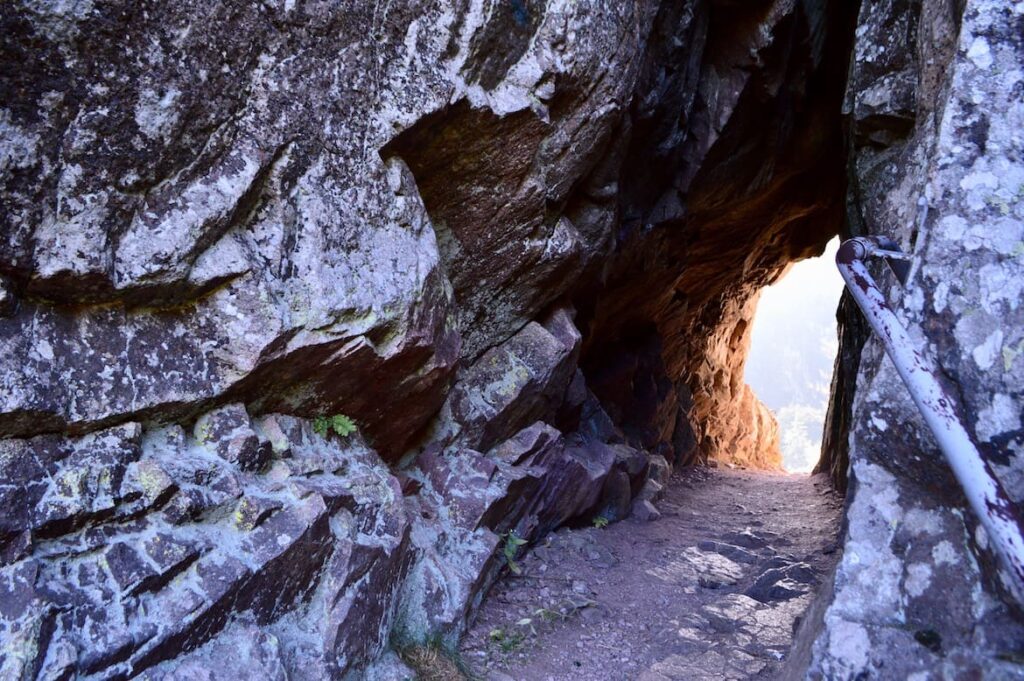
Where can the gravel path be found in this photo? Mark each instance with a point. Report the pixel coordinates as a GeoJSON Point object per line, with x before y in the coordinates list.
{"type": "Point", "coordinates": [710, 590]}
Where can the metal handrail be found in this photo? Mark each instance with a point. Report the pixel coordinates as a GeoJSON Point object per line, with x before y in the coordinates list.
{"type": "Point", "coordinates": [919, 372]}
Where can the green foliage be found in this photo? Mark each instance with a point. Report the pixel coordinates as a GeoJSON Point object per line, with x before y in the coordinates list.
{"type": "Point", "coordinates": [508, 641]}
{"type": "Point", "coordinates": [600, 522]}
{"type": "Point", "coordinates": [512, 544]}
{"type": "Point", "coordinates": [547, 614]}
{"type": "Point", "coordinates": [339, 423]}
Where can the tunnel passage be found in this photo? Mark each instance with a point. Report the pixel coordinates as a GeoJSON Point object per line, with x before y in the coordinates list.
{"type": "Point", "coordinates": [515, 246]}
{"type": "Point", "coordinates": [619, 246]}
{"type": "Point", "coordinates": [726, 165]}
{"type": "Point", "coordinates": [708, 222]}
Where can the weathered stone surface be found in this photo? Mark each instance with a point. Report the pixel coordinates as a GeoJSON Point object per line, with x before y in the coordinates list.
{"type": "Point", "coordinates": [28, 621]}
{"type": "Point", "coordinates": [730, 551]}
{"type": "Point", "coordinates": [227, 431]}
{"type": "Point", "coordinates": [349, 620]}
{"type": "Point", "coordinates": [243, 651]}
{"type": "Point", "coordinates": [477, 511]}
{"type": "Point", "coordinates": [782, 583]}
{"type": "Point", "coordinates": [390, 212]}
{"type": "Point", "coordinates": [658, 470]}
{"type": "Point", "coordinates": [616, 496]}
{"type": "Point", "coordinates": [515, 383]}
{"type": "Point", "coordinates": [136, 182]}
{"type": "Point", "coordinates": [630, 380]}
{"type": "Point", "coordinates": [52, 485]}
{"type": "Point", "coordinates": [651, 491]}
{"type": "Point", "coordinates": [8, 301]}
{"type": "Point", "coordinates": [507, 169]}
{"type": "Point", "coordinates": [389, 668]}
{"type": "Point", "coordinates": [711, 666]}
{"type": "Point", "coordinates": [935, 105]}
{"type": "Point", "coordinates": [644, 510]}
{"type": "Point", "coordinates": [129, 584]}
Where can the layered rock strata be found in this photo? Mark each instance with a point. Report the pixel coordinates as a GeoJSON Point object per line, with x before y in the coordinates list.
{"type": "Point", "coordinates": [517, 244]}
{"type": "Point", "coordinates": [227, 225]}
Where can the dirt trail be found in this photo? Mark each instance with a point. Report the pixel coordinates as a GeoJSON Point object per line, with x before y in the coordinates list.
{"type": "Point", "coordinates": [711, 590]}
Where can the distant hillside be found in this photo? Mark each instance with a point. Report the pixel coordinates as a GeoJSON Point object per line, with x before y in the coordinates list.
{"type": "Point", "coordinates": [792, 351]}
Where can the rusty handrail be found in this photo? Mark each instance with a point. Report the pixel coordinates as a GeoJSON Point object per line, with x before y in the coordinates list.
{"type": "Point", "coordinates": [986, 496]}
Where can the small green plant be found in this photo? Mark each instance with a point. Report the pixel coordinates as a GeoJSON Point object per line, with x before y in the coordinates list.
{"type": "Point", "coordinates": [600, 522]}
{"type": "Point", "coordinates": [339, 423]}
{"type": "Point", "coordinates": [547, 614]}
{"type": "Point", "coordinates": [527, 622]}
{"type": "Point", "coordinates": [512, 544]}
{"type": "Point", "coordinates": [508, 641]}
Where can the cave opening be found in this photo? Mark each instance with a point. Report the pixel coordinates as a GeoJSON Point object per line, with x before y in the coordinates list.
{"type": "Point", "coordinates": [623, 292]}
{"type": "Point", "coordinates": [792, 352]}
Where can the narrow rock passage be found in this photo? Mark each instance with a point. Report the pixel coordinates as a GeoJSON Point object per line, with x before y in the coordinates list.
{"type": "Point", "coordinates": [711, 590]}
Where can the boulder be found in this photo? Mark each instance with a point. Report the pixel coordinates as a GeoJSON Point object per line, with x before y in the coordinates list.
{"type": "Point", "coordinates": [477, 513]}
{"type": "Point", "coordinates": [515, 383]}
{"type": "Point", "coordinates": [227, 431]}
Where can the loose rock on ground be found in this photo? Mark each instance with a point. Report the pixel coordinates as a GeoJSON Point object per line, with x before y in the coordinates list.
{"type": "Point", "coordinates": [711, 590]}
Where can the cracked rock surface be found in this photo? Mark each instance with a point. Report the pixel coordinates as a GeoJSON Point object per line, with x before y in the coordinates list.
{"type": "Point", "coordinates": [516, 245]}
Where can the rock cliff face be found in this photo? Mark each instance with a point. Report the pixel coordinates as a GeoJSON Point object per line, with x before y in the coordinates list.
{"type": "Point", "coordinates": [936, 104]}
{"type": "Point", "coordinates": [517, 243]}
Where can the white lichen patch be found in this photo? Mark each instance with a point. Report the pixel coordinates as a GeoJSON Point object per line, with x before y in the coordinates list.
{"type": "Point", "coordinates": [980, 335]}
{"type": "Point", "coordinates": [156, 241]}
{"type": "Point", "coordinates": [870, 574]}
{"type": "Point", "coordinates": [850, 645]}
{"type": "Point", "coordinates": [940, 297]}
{"type": "Point", "coordinates": [155, 113]}
{"type": "Point", "coordinates": [919, 578]}
{"type": "Point", "coordinates": [59, 19]}
{"type": "Point", "coordinates": [923, 522]}
{"type": "Point", "coordinates": [980, 53]}
{"type": "Point", "coordinates": [952, 227]}
{"type": "Point", "coordinates": [943, 553]}
{"type": "Point", "coordinates": [1001, 285]}
{"type": "Point", "coordinates": [1002, 416]}
{"type": "Point", "coordinates": [985, 354]}
{"type": "Point", "coordinates": [978, 186]}
{"type": "Point", "coordinates": [18, 148]}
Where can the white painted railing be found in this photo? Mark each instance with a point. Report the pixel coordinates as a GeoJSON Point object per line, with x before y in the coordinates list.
{"type": "Point", "coordinates": [984, 493]}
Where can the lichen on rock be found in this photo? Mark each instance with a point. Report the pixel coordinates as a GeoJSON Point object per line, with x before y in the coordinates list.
{"type": "Point", "coordinates": [518, 246]}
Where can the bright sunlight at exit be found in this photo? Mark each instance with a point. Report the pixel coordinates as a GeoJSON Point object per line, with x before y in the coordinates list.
{"type": "Point", "coordinates": [792, 350]}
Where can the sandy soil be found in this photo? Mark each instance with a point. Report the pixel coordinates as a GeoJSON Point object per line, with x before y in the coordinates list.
{"type": "Point", "coordinates": [711, 590]}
